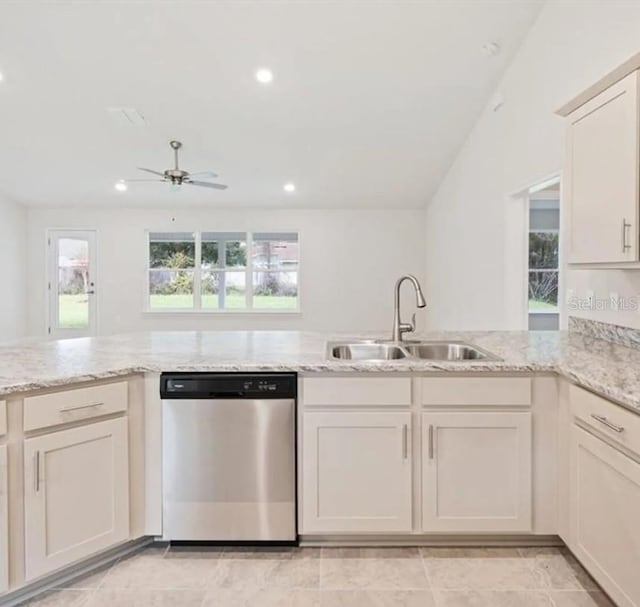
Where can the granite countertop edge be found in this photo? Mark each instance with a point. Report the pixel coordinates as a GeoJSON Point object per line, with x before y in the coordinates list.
{"type": "Point", "coordinates": [603, 367]}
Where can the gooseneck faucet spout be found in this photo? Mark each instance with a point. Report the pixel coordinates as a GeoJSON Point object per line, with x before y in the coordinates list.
{"type": "Point", "coordinates": [399, 327]}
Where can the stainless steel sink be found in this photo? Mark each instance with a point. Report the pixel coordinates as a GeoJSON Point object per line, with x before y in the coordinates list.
{"type": "Point", "coordinates": [447, 351]}
{"type": "Point", "coordinates": [426, 350]}
{"type": "Point", "coordinates": [366, 352]}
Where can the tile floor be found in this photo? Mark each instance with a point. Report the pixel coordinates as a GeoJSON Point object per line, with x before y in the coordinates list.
{"type": "Point", "coordinates": [336, 577]}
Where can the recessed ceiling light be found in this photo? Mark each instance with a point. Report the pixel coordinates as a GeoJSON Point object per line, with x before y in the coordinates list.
{"type": "Point", "coordinates": [289, 187]}
{"type": "Point", "coordinates": [264, 76]}
{"type": "Point", "coordinates": [121, 186]}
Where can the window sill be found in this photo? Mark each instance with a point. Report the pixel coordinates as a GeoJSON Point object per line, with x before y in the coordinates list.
{"type": "Point", "coordinates": [169, 312]}
{"type": "Point", "coordinates": [556, 311]}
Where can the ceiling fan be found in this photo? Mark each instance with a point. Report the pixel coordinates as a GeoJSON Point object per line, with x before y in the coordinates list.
{"type": "Point", "coordinates": [177, 176]}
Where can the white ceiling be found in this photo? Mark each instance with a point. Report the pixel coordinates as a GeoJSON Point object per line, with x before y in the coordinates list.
{"type": "Point", "coordinates": [371, 99]}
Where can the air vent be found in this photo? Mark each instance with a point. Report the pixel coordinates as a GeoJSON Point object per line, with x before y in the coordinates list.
{"type": "Point", "coordinates": [126, 116]}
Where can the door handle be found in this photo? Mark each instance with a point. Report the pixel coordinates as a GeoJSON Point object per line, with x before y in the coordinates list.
{"type": "Point", "coordinates": [37, 473]}
{"type": "Point", "coordinates": [625, 225]}
{"type": "Point", "coordinates": [405, 441]}
{"type": "Point", "coordinates": [430, 441]}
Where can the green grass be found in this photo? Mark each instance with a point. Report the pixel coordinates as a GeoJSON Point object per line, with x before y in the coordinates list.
{"type": "Point", "coordinates": [73, 311]}
{"type": "Point", "coordinates": [541, 305]}
{"type": "Point", "coordinates": [234, 301]}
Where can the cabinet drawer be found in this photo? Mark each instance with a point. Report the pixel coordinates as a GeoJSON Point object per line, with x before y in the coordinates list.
{"type": "Point", "coordinates": [73, 405]}
{"type": "Point", "coordinates": [479, 391]}
{"type": "Point", "coordinates": [345, 391]}
{"type": "Point", "coordinates": [3, 417]}
{"type": "Point", "coordinates": [612, 420]}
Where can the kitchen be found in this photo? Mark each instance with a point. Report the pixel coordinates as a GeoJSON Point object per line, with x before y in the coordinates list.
{"type": "Point", "coordinates": [313, 377]}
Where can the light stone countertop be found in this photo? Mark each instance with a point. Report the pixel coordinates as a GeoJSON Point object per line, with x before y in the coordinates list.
{"type": "Point", "coordinates": [604, 367]}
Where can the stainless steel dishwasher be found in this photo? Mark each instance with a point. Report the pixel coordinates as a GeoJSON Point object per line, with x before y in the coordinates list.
{"type": "Point", "coordinates": [229, 457]}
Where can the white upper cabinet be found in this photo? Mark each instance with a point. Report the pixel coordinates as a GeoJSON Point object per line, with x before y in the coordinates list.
{"type": "Point", "coordinates": [356, 472]}
{"type": "Point", "coordinates": [76, 494]}
{"type": "Point", "coordinates": [602, 174]}
{"type": "Point", "coordinates": [476, 472]}
{"type": "Point", "coordinates": [4, 521]}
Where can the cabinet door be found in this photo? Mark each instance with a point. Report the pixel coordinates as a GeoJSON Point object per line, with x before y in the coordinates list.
{"type": "Point", "coordinates": [605, 504]}
{"type": "Point", "coordinates": [76, 494]}
{"type": "Point", "coordinates": [476, 473]}
{"type": "Point", "coordinates": [356, 472]}
{"type": "Point", "coordinates": [4, 521]}
{"type": "Point", "coordinates": [602, 176]}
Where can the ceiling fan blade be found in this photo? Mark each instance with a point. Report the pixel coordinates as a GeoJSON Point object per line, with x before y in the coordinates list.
{"type": "Point", "coordinates": [206, 184]}
{"type": "Point", "coordinates": [147, 180]}
{"type": "Point", "coordinates": [205, 174]}
{"type": "Point", "coordinates": [151, 171]}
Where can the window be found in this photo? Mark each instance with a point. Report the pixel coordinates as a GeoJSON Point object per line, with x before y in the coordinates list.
{"type": "Point", "coordinates": [544, 238]}
{"type": "Point", "coordinates": [223, 271]}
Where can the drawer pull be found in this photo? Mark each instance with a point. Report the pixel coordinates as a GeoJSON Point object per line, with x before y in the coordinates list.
{"type": "Point", "coordinates": [607, 423]}
{"type": "Point", "coordinates": [80, 407]}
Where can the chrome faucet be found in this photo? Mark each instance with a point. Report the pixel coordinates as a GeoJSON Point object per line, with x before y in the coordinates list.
{"type": "Point", "coordinates": [399, 327]}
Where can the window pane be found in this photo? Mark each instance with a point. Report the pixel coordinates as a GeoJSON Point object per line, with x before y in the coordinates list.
{"type": "Point", "coordinates": [224, 249]}
{"type": "Point", "coordinates": [543, 290]}
{"type": "Point", "coordinates": [275, 290]}
{"type": "Point", "coordinates": [276, 251]}
{"type": "Point", "coordinates": [543, 250]}
{"type": "Point", "coordinates": [73, 277]}
{"type": "Point", "coordinates": [172, 250]}
{"type": "Point", "coordinates": [170, 289]}
{"type": "Point", "coordinates": [223, 290]}
{"type": "Point", "coordinates": [210, 253]}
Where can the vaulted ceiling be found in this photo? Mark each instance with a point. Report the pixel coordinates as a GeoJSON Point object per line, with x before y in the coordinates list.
{"type": "Point", "coordinates": [370, 101]}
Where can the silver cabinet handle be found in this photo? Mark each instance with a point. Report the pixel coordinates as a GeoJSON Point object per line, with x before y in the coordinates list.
{"type": "Point", "coordinates": [607, 423]}
{"type": "Point", "coordinates": [625, 225]}
{"type": "Point", "coordinates": [79, 407]}
{"type": "Point", "coordinates": [430, 441]}
{"type": "Point", "coordinates": [405, 441]}
{"type": "Point", "coordinates": [37, 464]}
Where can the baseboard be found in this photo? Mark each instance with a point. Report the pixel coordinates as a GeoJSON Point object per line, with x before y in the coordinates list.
{"type": "Point", "coordinates": [431, 540]}
{"type": "Point", "coordinates": [56, 580]}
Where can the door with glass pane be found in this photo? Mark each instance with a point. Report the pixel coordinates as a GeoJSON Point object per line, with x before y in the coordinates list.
{"type": "Point", "coordinates": [72, 283]}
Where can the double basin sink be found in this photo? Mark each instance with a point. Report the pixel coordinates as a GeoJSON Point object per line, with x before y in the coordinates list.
{"type": "Point", "coordinates": [377, 351]}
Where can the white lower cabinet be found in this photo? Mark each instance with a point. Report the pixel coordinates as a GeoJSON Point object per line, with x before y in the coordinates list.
{"type": "Point", "coordinates": [4, 521]}
{"type": "Point", "coordinates": [356, 472]}
{"type": "Point", "coordinates": [604, 510]}
{"type": "Point", "coordinates": [476, 472]}
{"type": "Point", "coordinates": [76, 494]}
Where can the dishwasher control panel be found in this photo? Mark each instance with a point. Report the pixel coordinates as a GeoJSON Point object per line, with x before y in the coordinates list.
{"type": "Point", "coordinates": [228, 385]}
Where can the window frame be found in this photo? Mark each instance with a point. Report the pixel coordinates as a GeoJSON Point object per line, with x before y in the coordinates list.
{"type": "Point", "coordinates": [197, 308]}
{"type": "Point", "coordinates": [530, 270]}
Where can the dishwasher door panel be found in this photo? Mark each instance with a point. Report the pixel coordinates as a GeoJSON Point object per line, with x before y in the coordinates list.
{"type": "Point", "coordinates": [229, 470]}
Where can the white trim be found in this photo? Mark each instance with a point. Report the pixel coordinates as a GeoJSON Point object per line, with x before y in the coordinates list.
{"type": "Point", "coordinates": [526, 192]}
{"type": "Point", "coordinates": [52, 237]}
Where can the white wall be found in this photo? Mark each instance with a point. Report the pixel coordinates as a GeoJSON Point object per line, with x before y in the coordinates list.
{"type": "Point", "coordinates": [468, 223]}
{"type": "Point", "coordinates": [349, 263]}
{"type": "Point", "coordinates": [13, 266]}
